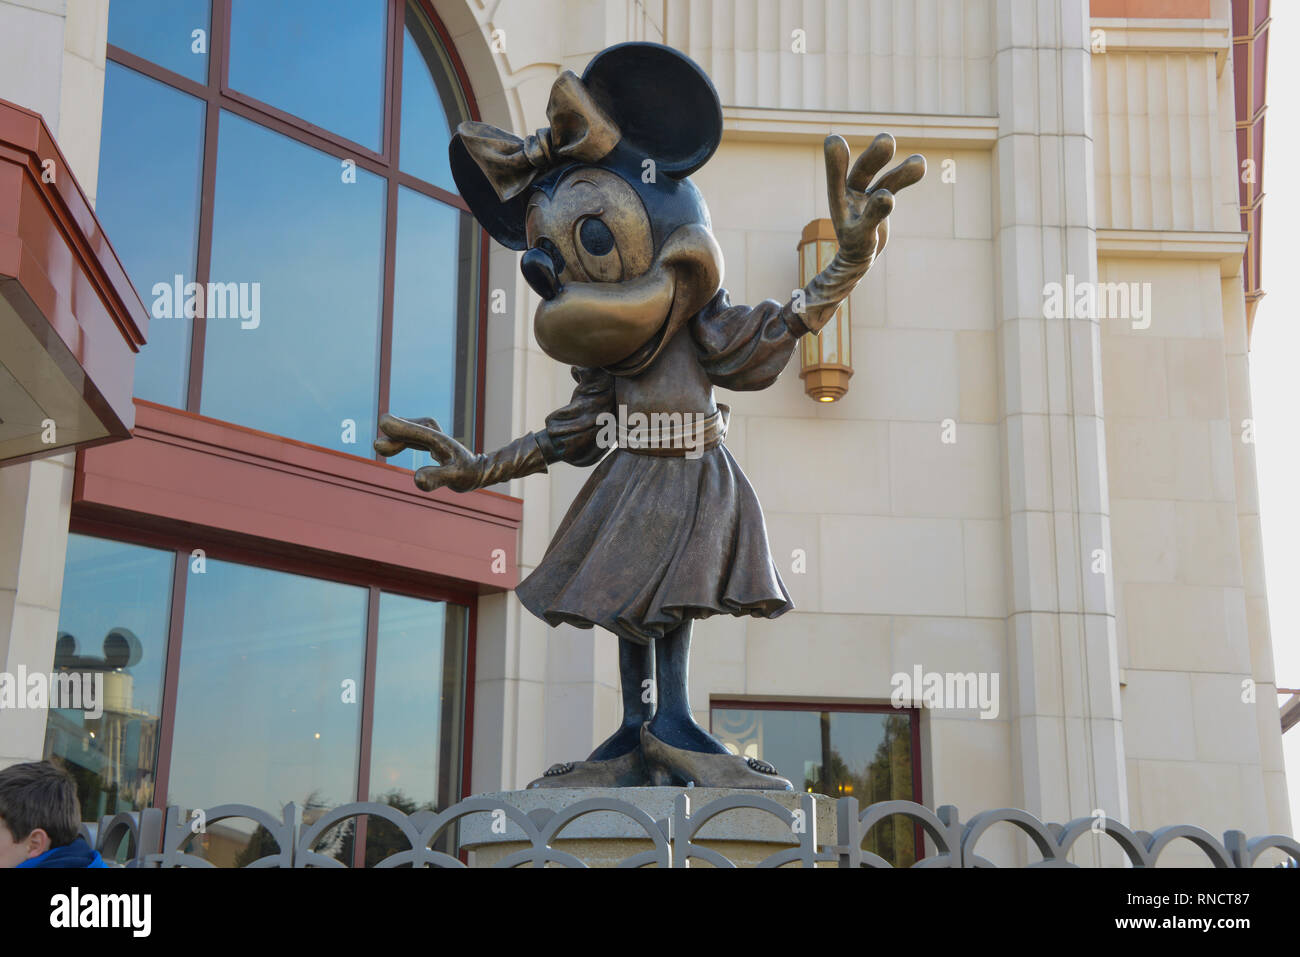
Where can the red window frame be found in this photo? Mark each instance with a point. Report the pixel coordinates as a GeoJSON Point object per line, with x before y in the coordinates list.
{"type": "Point", "coordinates": [181, 547]}
{"type": "Point", "coordinates": [219, 96]}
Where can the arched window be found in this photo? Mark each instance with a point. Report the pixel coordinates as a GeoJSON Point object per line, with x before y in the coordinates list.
{"type": "Point", "coordinates": [274, 176]}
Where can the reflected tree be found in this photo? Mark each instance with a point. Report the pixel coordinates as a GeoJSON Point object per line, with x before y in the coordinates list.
{"type": "Point", "coordinates": [384, 840]}
{"type": "Point", "coordinates": [887, 777]}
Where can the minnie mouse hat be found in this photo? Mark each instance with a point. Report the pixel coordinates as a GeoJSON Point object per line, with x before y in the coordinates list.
{"type": "Point", "coordinates": [635, 101]}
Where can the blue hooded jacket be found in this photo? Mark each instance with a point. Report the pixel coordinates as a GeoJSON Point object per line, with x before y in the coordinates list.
{"type": "Point", "coordinates": [76, 854]}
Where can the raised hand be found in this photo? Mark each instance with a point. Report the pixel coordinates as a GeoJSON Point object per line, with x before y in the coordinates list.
{"type": "Point", "coordinates": [859, 211]}
{"type": "Point", "coordinates": [459, 470]}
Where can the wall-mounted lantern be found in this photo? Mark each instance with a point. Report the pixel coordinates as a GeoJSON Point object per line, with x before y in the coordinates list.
{"type": "Point", "coordinates": [826, 359]}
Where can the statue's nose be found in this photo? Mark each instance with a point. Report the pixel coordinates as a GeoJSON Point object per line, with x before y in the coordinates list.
{"type": "Point", "coordinates": [541, 272]}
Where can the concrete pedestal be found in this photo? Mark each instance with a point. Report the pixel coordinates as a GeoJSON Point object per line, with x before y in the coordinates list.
{"type": "Point", "coordinates": [605, 838]}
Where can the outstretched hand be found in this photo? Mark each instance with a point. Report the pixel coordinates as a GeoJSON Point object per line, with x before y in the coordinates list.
{"type": "Point", "coordinates": [459, 468]}
{"type": "Point", "coordinates": [859, 211]}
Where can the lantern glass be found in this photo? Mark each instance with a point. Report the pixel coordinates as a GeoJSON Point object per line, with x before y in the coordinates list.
{"type": "Point", "coordinates": [830, 334]}
{"type": "Point", "coordinates": [808, 269]}
{"type": "Point", "coordinates": [831, 340]}
{"type": "Point", "coordinates": [825, 356]}
{"type": "Point", "coordinates": [846, 340]}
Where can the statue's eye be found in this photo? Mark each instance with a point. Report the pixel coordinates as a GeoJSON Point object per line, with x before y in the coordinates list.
{"type": "Point", "coordinates": [595, 237]}
{"type": "Point", "coordinates": [597, 251]}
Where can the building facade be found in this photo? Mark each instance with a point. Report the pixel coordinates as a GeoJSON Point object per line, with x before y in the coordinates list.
{"type": "Point", "coordinates": [1040, 478]}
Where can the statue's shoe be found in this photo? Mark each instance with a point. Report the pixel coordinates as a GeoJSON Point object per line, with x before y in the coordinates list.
{"type": "Point", "coordinates": [668, 765]}
{"type": "Point", "coordinates": [625, 771]}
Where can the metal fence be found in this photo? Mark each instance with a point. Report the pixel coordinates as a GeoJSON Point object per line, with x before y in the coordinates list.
{"type": "Point", "coordinates": [156, 838]}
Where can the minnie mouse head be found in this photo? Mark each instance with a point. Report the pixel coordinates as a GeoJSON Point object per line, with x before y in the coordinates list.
{"type": "Point", "coordinates": [617, 240]}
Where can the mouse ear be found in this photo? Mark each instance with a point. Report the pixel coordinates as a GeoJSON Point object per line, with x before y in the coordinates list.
{"type": "Point", "coordinates": [504, 222]}
{"type": "Point", "coordinates": [665, 106]}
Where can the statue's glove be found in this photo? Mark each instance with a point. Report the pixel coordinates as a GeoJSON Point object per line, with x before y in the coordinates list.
{"type": "Point", "coordinates": [459, 469]}
{"type": "Point", "coordinates": [860, 215]}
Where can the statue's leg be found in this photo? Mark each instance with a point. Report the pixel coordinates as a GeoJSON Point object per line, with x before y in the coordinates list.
{"type": "Point", "coordinates": [677, 751]}
{"type": "Point", "coordinates": [672, 722]}
{"type": "Point", "coordinates": [636, 666]}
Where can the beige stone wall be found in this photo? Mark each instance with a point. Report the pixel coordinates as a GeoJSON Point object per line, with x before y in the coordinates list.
{"type": "Point", "coordinates": [865, 56]}
{"type": "Point", "coordinates": [903, 533]}
{"type": "Point", "coordinates": [81, 88]}
{"type": "Point", "coordinates": [35, 499]}
{"type": "Point", "coordinates": [1163, 114]}
{"type": "Point", "coordinates": [1201, 731]}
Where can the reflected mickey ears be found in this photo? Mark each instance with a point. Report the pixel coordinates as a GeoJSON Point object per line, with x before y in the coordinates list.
{"type": "Point", "coordinates": [122, 649]}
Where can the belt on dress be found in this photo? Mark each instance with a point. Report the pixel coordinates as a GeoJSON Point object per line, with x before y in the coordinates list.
{"type": "Point", "coordinates": [676, 434]}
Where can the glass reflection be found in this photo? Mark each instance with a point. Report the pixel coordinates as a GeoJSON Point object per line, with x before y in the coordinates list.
{"type": "Point", "coordinates": [263, 714]}
{"type": "Point", "coordinates": [432, 104]}
{"type": "Point", "coordinates": [866, 755]}
{"type": "Point", "coordinates": [172, 33]}
{"type": "Point", "coordinates": [321, 61]}
{"type": "Point", "coordinates": [304, 243]}
{"type": "Point", "coordinates": [148, 201]}
{"type": "Point", "coordinates": [433, 318]}
{"type": "Point", "coordinates": [419, 694]}
{"type": "Point", "coordinates": [113, 622]}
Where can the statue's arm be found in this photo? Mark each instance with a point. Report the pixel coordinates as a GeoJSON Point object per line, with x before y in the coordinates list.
{"type": "Point", "coordinates": [744, 348]}
{"type": "Point", "coordinates": [572, 432]}
{"type": "Point", "coordinates": [570, 436]}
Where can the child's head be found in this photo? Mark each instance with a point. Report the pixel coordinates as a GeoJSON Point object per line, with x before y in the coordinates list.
{"type": "Point", "coordinates": [38, 810]}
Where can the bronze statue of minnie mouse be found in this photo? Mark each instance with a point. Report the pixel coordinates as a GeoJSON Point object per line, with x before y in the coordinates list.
{"type": "Point", "coordinates": [617, 243]}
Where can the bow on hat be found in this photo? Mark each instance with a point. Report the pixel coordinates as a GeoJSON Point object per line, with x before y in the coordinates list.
{"type": "Point", "coordinates": [580, 131]}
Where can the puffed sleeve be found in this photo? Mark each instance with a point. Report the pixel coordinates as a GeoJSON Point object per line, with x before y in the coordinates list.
{"type": "Point", "coordinates": [744, 348]}
{"type": "Point", "coordinates": [571, 432]}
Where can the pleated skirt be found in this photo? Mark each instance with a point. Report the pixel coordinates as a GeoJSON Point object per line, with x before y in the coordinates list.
{"type": "Point", "coordinates": [654, 541]}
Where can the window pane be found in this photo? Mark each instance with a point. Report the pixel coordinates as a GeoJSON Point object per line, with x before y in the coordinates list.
{"type": "Point", "coordinates": [163, 31]}
{"type": "Point", "coordinates": [432, 104]}
{"type": "Point", "coordinates": [148, 201]}
{"type": "Point", "coordinates": [261, 713]}
{"type": "Point", "coordinates": [867, 755]}
{"type": "Point", "coordinates": [322, 61]}
{"type": "Point", "coordinates": [113, 623]}
{"type": "Point", "coordinates": [306, 250]}
{"type": "Point", "coordinates": [419, 691]}
{"type": "Point", "coordinates": [434, 318]}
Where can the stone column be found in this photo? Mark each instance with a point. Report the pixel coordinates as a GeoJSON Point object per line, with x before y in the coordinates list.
{"type": "Point", "coordinates": [35, 499]}
{"type": "Point", "coordinates": [1067, 735]}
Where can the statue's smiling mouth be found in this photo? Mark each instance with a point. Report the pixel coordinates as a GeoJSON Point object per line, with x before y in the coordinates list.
{"type": "Point", "coordinates": [598, 323]}
{"type": "Point", "coordinates": [603, 324]}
